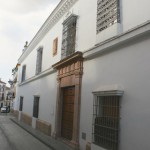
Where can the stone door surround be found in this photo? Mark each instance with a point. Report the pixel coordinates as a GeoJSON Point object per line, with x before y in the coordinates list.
{"type": "Point", "coordinates": [70, 72]}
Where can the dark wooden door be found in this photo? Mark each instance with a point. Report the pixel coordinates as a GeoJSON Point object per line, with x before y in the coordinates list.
{"type": "Point", "coordinates": [67, 113]}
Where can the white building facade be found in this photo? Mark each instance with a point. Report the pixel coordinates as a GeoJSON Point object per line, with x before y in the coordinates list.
{"type": "Point", "coordinates": [84, 78]}
{"type": "Point", "coordinates": [2, 93]}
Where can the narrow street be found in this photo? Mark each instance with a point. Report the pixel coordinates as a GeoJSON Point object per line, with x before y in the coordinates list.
{"type": "Point", "coordinates": [12, 137]}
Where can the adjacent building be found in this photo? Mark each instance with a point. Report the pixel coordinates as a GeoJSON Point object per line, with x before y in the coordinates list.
{"type": "Point", "coordinates": [2, 92]}
{"type": "Point", "coordinates": [11, 96]}
{"type": "Point", "coordinates": [7, 101]}
{"type": "Point", "coordinates": [85, 76]}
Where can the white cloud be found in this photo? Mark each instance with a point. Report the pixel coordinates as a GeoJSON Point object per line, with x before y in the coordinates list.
{"type": "Point", "coordinates": [19, 22]}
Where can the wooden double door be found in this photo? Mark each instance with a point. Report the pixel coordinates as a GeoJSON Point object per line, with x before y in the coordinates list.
{"type": "Point", "coordinates": [67, 113]}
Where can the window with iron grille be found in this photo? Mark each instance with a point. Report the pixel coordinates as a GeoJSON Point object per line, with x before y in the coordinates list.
{"type": "Point", "coordinates": [106, 116]}
{"type": "Point", "coordinates": [3, 96]}
{"type": "Point", "coordinates": [108, 13]}
{"type": "Point", "coordinates": [39, 61]}
{"type": "Point", "coordinates": [69, 36]}
{"type": "Point", "coordinates": [3, 88]}
{"type": "Point", "coordinates": [23, 73]}
{"type": "Point", "coordinates": [36, 107]}
{"type": "Point", "coordinates": [21, 103]}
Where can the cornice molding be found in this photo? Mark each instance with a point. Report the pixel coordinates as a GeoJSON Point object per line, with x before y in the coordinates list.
{"type": "Point", "coordinates": [75, 56]}
{"type": "Point", "coordinates": [54, 17]}
{"type": "Point", "coordinates": [41, 75]}
{"type": "Point", "coordinates": [109, 93]}
{"type": "Point", "coordinates": [108, 45]}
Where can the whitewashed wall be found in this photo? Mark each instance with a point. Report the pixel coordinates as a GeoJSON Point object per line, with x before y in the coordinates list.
{"type": "Point", "coordinates": [134, 13]}
{"type": "Point", "coordinates": [128, 67]}
{"type": "Point", "coordinates": [131, 16]}
{"type": "Point", "coordinates": [46, 88]}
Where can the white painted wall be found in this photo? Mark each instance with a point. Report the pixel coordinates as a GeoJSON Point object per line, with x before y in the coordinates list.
{"type": "Point", "coordinates": [86, 27]}
{"type": "Point", "coordinates": [46, 88]}
{"type": "Point", "coordinates": [128, 67]}
{"type": "Point", "coordinates": [134, 13]}
{"type": "Point", "coordinates": [86, 30]}
{"type": "Point", "coordinates": [82, 42]}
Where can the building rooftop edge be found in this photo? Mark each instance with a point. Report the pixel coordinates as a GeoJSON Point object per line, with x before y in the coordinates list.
{"type": "Point", "coordinates": [55, 15]}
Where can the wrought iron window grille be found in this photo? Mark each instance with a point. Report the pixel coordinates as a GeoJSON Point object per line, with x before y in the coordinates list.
{"type": "Point", "coordinates": [106, 118]}
{"type": "Point", "coordinates": [69, 36]}
{"type": "Point", "coordinates": [108, 13]}
{"type": "Point", "coordinates": [39, 60]}
{"type": "Point", "coordinates": [23, 73]}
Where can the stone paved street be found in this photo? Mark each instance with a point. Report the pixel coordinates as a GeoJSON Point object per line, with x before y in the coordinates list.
{"type": "Point", "coordinates": [12, 137]}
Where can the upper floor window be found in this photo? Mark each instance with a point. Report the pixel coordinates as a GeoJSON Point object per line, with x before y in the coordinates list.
{"type": "Point", "coordinates": [39, 60]}
{"type": "Point", "coordinates": [3, 96]}
{"type": "Point", "coordinates": [3, 88]}
{"type": "Point", "coordinates": [55, 46]}
{"type": "Point", "coordinates": [69, 36]}
{"type": "Point", "coordinates": [23, 73]}
{"type": "Point", "coordinates": [106, 116]}
{"type": "Point", "coordinates": [108, 13]}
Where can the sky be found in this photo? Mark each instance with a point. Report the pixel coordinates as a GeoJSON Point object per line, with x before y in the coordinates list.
{"type": "Point", "coordinates": [20, 20]}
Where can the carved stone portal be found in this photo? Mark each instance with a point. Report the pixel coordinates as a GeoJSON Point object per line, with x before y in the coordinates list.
{"type": "Point", "coordinates": [70, 72]}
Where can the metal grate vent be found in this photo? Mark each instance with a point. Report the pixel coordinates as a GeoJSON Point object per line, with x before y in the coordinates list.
{"type": "Point", "coordinates": [106, 121]}
{"type": "Point", "coordinates": [108, 13]}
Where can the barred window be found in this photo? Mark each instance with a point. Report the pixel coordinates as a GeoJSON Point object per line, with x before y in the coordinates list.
{"type": "Point", "coordinates": [69, 36]}
{"type": "Point", "coordinates": [36, 107]}
{"type": "Point", "coordinates": [21, 103]}
{"type": "Point", "coordinates": [106, 118]}
{"type": "Point", "coordinates": [39, 61]}
{"type": "Point", "coordinates": [23, 73]}
{"type": "Point", "coordinates": [108, 13]}
{"type": "Point", "coordinates": [3, 88]}
{"type": "Point", "coordinates": [3, 96]}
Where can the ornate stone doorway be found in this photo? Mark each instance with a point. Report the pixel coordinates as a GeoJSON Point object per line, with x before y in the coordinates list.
{"type": "Point", "coordinates": [70, 72]}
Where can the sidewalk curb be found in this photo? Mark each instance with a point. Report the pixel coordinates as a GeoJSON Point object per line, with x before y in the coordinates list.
{"type": "Point", "coordinates": [42, 141]}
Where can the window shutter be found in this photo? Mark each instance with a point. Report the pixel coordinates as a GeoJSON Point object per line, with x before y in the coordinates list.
{"type": "Point", "coordinates": [55, 46]}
